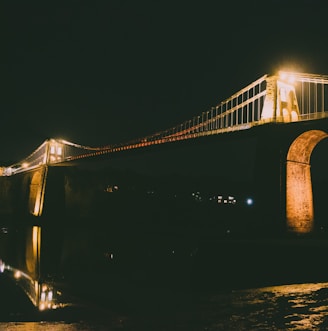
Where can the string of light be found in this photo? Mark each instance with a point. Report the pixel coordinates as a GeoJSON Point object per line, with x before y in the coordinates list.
{"type": "Point", "coordinates": [241, 111]}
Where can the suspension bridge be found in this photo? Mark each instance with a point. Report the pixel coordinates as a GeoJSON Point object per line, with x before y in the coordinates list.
{"type": "Point", "coordinates": [282, 98]}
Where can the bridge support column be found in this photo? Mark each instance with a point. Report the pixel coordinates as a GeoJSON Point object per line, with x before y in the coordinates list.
{"type": "Point", "coordinates": [299, 197]}
{"type": "Point", "coordinates": [37, 190]}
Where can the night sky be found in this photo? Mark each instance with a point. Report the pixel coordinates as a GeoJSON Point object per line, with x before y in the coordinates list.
{"type": "Point", "coordinates": [99, 72]}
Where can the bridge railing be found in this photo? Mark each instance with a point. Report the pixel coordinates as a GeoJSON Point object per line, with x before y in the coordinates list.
{"type": "Point", "coordinates": [239, 110]}
{"type": "Point", "coordinates": [34, 160]}
{"type": "Point", "coordinates": [312, 94]}
{"type": "Point", "coordinates": [242, 111]}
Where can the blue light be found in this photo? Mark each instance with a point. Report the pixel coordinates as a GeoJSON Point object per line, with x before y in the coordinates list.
{"type": "Point", "coordinates": [249, 201]}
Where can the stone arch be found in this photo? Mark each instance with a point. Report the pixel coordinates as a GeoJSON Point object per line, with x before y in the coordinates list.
{"type": "Point", "coordinates": [299, 196]}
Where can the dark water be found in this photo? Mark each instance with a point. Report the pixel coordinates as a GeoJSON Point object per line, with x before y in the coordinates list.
{"type": "Point", "coordinates": [161, 284]}
{"type": "Point", "coordinates": [284, 307]}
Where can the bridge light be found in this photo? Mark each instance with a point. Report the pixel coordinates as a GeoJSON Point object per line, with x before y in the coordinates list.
{"type": "Point", "coordinates": [282, 75]}
{"type": "Point", "coordinates": [56, 151]}
{"type": "Point", "coordinates": [287, 77]}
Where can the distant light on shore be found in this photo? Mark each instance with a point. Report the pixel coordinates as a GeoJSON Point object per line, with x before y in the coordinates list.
{"type": "Point", "coordinates": [249, 201]}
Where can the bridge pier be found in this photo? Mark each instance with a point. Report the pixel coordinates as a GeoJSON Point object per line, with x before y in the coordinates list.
{"type": "Point", "coordinates": [283, 176]}
{"type": "Point", "coordinates": [299, 198]}
{"type": "Point", "coordinates": [299, 194]}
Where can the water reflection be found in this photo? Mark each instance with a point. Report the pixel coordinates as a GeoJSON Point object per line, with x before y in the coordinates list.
{"type": "Point", "coordinates": [176, 307]}
{"type": "Point", "coordinates": [24, 254]}
{"type": "Point", "coordinates": [289, 307]}
{"type": "Point", "coordinates": [35, 326]}
{"type": "Point", "coordinates": [293, 307]}
{"type": "Point", "coordinates": [51, 326]}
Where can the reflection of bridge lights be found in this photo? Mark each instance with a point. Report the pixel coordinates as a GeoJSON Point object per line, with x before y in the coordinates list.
{"type": "Point", "coordinates": [46, 298]}
{"type": "Point", "coordinates": [2, 266]}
